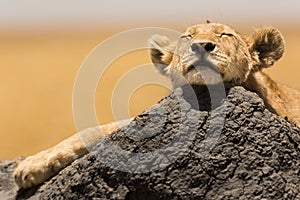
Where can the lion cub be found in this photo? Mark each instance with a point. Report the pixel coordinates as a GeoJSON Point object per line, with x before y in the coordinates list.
{"type": "Point", "coordinates": [202, 54]}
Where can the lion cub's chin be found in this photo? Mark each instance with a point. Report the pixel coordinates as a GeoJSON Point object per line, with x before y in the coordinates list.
{"type": "Point", "coordinates": [199, 75]}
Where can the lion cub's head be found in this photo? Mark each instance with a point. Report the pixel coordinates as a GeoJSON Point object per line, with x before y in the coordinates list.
{"type": "Point", "coordinates": [206, 52]}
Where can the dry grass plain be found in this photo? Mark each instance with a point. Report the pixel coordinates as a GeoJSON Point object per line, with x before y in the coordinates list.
{"type": "Point", "coordinates": [37, 75]}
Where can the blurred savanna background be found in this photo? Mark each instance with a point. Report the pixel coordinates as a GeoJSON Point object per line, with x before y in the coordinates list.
{"type": "Point", "coordinates": [43, 45]}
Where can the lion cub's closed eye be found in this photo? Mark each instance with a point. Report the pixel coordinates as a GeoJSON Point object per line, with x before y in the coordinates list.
{"type": "Point", "coordinates": [224, 35]}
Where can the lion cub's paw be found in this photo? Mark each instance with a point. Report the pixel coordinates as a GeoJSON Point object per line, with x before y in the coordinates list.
{"type": "Point", "coordinates": [35, 169]}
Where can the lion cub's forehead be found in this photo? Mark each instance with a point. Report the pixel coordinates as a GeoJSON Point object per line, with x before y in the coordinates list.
{"type": "Point", "coordinates": [210, 28]}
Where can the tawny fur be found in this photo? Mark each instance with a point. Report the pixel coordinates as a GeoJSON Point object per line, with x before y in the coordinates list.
{"type": "Point", "coordinates": [239, 60]}
{"type": "Point", "coordinates": [236, 60]}
{"type": "Point", "coordinates": [37, 168]}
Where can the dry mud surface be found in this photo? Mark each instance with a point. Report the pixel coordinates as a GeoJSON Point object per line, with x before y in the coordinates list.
{"type": "Point", "coordinates": [174, 150]}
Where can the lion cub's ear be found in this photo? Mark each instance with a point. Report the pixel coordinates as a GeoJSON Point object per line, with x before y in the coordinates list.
{"type": "Point", "coordinates": [266, 46]}
{"type": "Point", "coordinates": [161, 52]}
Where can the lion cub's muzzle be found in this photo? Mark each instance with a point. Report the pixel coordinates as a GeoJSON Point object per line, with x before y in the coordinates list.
{"type": "Point", "coordinates": [201, 50]}
{"type": "Point", "coordinates": [203, 47]}
{"type": "Point", "coordinates": [200, 56]}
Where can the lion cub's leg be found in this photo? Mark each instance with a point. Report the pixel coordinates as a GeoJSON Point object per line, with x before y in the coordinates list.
{"type": "Point", "coordinates": [35, 169]}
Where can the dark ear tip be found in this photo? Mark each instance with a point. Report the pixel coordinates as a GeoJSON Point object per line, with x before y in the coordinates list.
{"type": "Point", "coordinates": [272, 34]}
{"type": "Point", "coordinates": [276, 34]}
{"type": "Point", "coordinates": [267, 46]}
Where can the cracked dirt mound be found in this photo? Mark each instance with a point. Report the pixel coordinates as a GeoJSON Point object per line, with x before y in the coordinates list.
{"type": "Point", "coordinates": [255, 156]}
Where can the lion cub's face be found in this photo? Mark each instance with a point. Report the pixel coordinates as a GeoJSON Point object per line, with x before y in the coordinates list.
{"type": "Point", "coordinates": [205, 51]}
{"type": "Point", "coordinates": [211, 53]}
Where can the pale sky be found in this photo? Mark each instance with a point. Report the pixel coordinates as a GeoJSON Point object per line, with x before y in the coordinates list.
{"type": "Point", "coordinates": [48, 13]}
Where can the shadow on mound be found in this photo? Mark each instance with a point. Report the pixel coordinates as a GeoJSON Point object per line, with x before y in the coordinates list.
{"type": "Point", "coordinates": [255, 156]}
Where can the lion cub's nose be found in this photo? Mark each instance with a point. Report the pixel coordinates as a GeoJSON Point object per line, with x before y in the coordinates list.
{"type": "Point", "coordinates": [198, 47]}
